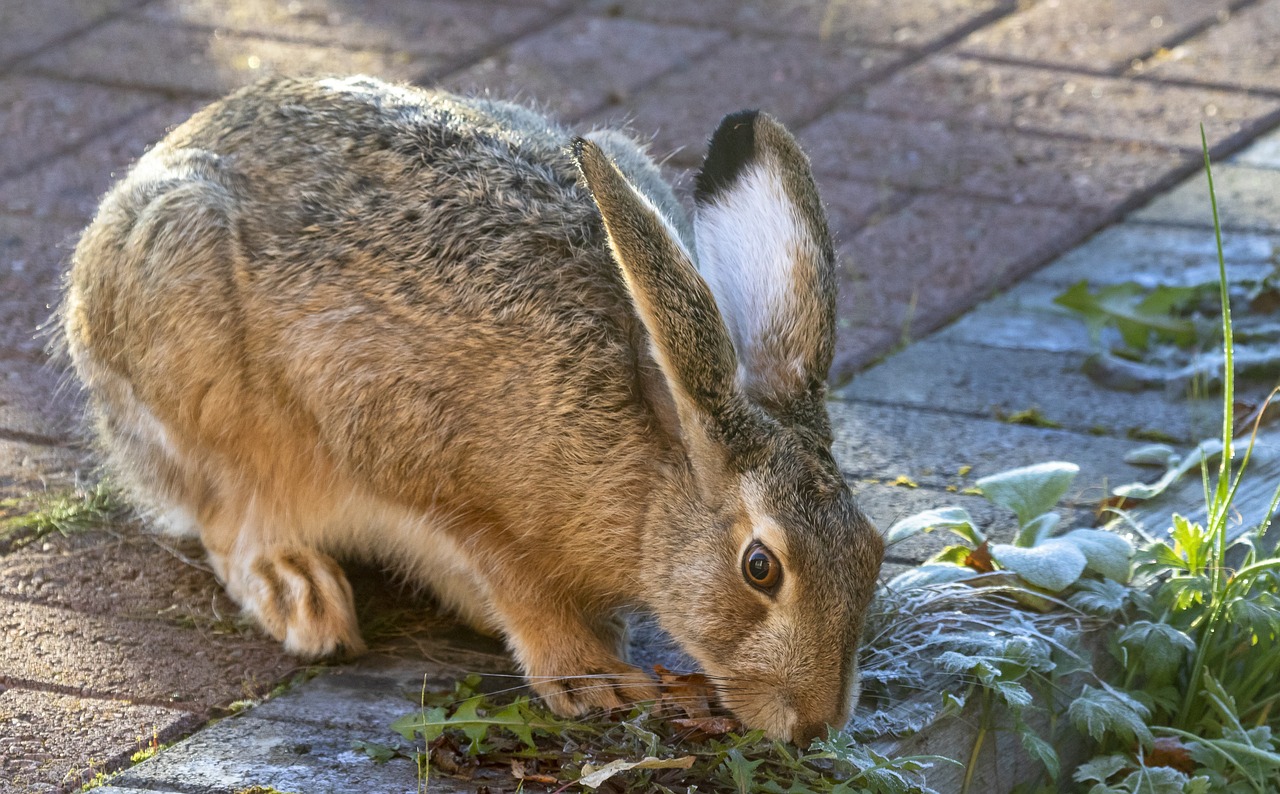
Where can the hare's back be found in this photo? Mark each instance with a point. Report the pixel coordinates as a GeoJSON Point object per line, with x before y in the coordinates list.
{"type": "Point", "coordinates": [413, 268]}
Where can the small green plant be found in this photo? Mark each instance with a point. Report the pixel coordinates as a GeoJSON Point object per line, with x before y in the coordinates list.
{"type": "Point", "coordinates": [466, 732]}
{"type": "Point", "coordinates": [62, 512]}
{"type": "Point", "coordinates": [1199, 642]}
{"type": "Point", "coordinates": [1137, 313]}
{"type": "Point", "coordinates": [1038, 555]}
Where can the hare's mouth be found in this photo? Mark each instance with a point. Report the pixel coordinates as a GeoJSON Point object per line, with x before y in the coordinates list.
{"type": "Point", "coordinates": [757, 708]}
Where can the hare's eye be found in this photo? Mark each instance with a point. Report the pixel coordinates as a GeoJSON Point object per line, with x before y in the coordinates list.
{"type": "Point", "coordinates": [761, 568]}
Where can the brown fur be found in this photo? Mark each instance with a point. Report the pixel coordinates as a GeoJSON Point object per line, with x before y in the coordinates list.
{"type": "Point", "coordinates": [350, 318]}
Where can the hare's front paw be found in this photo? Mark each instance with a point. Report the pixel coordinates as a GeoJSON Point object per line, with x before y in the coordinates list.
{"type": "Point", "coordinates": [572, 685]}
{"type": "Point", "coordinates": [302, 598]}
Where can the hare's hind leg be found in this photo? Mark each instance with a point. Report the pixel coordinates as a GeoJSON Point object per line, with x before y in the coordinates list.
{"type": "Point", "coordinates": [302, 598]}
{"type": "Point", "coordinates": [298, 595]}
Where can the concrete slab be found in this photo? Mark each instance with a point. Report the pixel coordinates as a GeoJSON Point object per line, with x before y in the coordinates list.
{"type": "Point", "coordinates": [857, 346]}
{"type": "Point", "coordinates": [987, 381]}
{"type": "Point", "coordinates": [884, 442]}
{"type": "Point", "coordinates": [887, 504]}
{"type": "Point", "coordinates": [245, 751]}
{"type": "Point", "coordinates": [1248, 201]}
{"type": "Point", "coordinates": [1263, 153]}
{"type": "Point", "coordinates": [1024, 318]}
{"type": "Point", "coordinates": [1150, 256]}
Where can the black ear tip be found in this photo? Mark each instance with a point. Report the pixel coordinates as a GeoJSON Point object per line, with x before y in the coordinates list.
{"type": "Point", "coordinates": [578, 144]}
{"type": "Point", "coordinates": [732, 148]}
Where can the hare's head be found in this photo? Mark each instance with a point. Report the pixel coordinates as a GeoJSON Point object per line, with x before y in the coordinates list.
{"type": "Point", "coordinates": [764, 566]}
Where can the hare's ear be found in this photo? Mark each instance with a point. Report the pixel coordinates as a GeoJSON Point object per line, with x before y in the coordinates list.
{"type": "Point", "coordinates": [687, 335]}
{"type": "Point", "coordinates": [765, 251]}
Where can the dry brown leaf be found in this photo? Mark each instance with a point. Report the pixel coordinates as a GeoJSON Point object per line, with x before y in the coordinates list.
{"type": "Point", "coordinates": [690, 694]}
{"type": "Point", "coordinates": [1170, 751]}
{"type": "Point", "coordinates": [521, 771]}
{"type": "Point", "coordinates": [703, 728]}
{"type": "Point", "coordinates": [980, 559]}
{"type": "Point", "coordinates": [445, 755]}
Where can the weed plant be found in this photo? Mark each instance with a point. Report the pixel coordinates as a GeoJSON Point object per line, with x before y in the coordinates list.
{"type": "Point", "coordinates": [1199, 645]}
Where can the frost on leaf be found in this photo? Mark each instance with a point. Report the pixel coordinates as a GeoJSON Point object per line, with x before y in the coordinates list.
{"type": "Point", "coordinates": [1098, 712]}
{"type": "Point", "coordinates": [1053, 565]}
{"type": "Point", "coordinates": [1105, 552]}
{"type": "Point", "coordinates": [1030, 490]}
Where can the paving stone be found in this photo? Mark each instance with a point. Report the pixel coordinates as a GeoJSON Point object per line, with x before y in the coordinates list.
{"type": "Point", "coordinates": [1004, 164]}
{"type": "Point", "coordinates": [1091, 34]}
{"type": "Point", "coordinates": [146, 54]}
{"type": "Point", "coordinates": [561, 67]}
{"type": "Point", "coordinates": [1239, 52]}
{"type": "Point", "coordinates": [1248, 200]}
{"type": "Point", "coordinates": [1154, 255]}
{"type": "Point", "coordinates": [447, 30]}
{"type": "Point", "coordinates": [126, 575]}
{"type": "Point", "coordinates": [35, 468]}
{"type": "Point", "coordinates": [289, 756]}
{"type": "Point", "coordinates": [790, 78]}
{"type": "Point", "coordinates": [29, 25]}
{"type": "Point", "coordinates": [68, 188]}
{"type": "Point", "coordinates": [32, 257]}
{"type": "Point", "coordinates": [37, 402]}
{"type": "Point", "coordinates": [857, 346]}
{"type": "Point", "coordinates": [988, 381]}
{"type": "Point", "coordinates": [911, 23]}
{"type": "Point", "coordinates": [1025, 318]}
{"type": "Point", "coordinates": [884, 442]}
{"type": "Point", "coordinates": [153, 662]}
{"type": "Point", "coordinates": [852, 204]}
{"type": "Point", "coordinates": [1044, 100]}
{"type": "Point", "coordinates": [50, 740]}
{"type": "Point", "coordinates": [940, 254]}
{"type": "Point", "coordinates": [40, 117]}
{"type": "Point", "coordinates": [1262, 153]}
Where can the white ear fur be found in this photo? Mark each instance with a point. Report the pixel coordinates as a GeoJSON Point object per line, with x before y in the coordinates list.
{"type": "Point", "coordinates": [750, 240]}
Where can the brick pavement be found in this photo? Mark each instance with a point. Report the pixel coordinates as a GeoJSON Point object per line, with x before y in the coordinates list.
{"type": "Point", "coordinates": [959, 144]}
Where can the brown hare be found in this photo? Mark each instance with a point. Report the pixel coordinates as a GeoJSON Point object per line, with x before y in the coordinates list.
{"type": "Point", "coordinates": [344, 318]}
